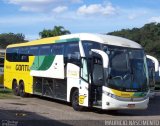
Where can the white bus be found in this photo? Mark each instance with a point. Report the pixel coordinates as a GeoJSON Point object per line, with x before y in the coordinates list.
{"type": "Point", "coordinates": [153, 65]}
{"type": "Point", "coordinates": [88, 70]}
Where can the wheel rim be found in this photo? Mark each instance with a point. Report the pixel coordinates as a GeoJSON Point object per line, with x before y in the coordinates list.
{"type": "Point", "coordinates": [15, 88]}
{"type": "Point", "coordinates": [21, 89]}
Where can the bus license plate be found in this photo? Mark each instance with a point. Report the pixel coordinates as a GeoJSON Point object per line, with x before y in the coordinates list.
{"type": "Point", "coordinates": [131, 105]}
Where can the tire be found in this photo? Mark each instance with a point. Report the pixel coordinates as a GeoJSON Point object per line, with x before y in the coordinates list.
{"type": "Point", "coordinates": [15, 88]}
{"type": "Point", "coordinates": [22, 89]}
{"type": "Point", "coordinates": [75, 101]}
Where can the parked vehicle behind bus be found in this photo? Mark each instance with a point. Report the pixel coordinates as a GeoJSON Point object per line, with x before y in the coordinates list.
{"type": "Point", "coordinates": [153, 69]}
{"type": "Point", "coordinates": [157, 80]}
{"type": "Point", "coordinates": [88, 70]}
{"type": "Point", "coordinates": [2, 52]}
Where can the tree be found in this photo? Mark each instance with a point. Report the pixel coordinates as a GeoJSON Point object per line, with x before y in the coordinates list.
{"type": "Point", "coordinates": [148, 36]}
{"type": "Point", "coordinates": [56, 31]}
{"type": "Point", "coordinates": [11, 38]}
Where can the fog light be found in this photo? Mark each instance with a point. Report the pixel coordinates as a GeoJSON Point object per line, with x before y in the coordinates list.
{"type": "Point", "coordinates": [107, 103]}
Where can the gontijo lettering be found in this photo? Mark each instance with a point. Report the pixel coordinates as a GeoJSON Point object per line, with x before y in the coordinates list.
{"type": "Point", "coordinates": [22, 67]}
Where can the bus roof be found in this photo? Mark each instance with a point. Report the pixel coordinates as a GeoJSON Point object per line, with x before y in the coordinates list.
{"type": "Point", "coordinates": [105, 39]}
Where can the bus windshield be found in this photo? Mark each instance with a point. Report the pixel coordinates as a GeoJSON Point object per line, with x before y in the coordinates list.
{"type": "Point", "coordinates": [128, 69]}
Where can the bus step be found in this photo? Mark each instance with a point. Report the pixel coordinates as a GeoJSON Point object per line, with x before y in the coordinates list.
{"type": "Point", "coordinates": [100, 107]}
{"type": "Point", "coordinates": [97, 103]}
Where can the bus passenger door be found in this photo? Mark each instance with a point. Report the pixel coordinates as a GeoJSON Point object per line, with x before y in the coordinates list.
{"type": "Point", "coordinates": [99, 69]}
{"type": "Point", "coordinates": [97, 80]}
{"type": "Point", "coordinates": [84, 84]}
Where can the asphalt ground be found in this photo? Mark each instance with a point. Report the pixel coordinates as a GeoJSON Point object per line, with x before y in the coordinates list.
{"type": "Point", "coordinates": [40, 111]}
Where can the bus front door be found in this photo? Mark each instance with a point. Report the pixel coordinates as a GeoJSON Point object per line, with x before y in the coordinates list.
{"type": "Point", "coordinates": [90, 90]}
{"type": "Point", "coordinates": [97, 81]}
{"type": "Point", "coordinates": [99, 66]}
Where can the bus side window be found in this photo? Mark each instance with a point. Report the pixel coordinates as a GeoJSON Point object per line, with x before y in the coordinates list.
{"type": "Point", "coordinates": [58, 49]}
{"type": "Point", "coordinates": [34, 51]}
{"type": "Point", "coordinates": [15, 55]}
{"type": "Point", "coordinates": [73, 53]}
{"type": "Point", "coordinates": [24, 53]}
{"type": "Point", "coordinates": [45, 50]}
{"type": "Point", "coordinates": [88, 45]}
{"type": "Point", "coordinates": [12, 54]}
{"type": "Point", "coordinates": [9, 54]}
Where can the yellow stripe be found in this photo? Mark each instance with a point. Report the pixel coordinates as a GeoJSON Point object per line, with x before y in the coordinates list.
{"type": "Point", "coordinates": [123, 94]}
{"type": "Point", "coordinates": [36, 42]}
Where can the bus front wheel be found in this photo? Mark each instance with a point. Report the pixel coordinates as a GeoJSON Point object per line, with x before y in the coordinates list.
{"type": "Point", "coordinates": [75, 101]}
{"type": "Point", "coordinates": [15, 88]}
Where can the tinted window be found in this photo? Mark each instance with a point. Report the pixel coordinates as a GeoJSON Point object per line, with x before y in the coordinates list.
{"type": "Point", "coordinates": [12, 54]}
{"type": "Point", "coordinates": [118, 55]}
{"type": "Point", "coordinates": [88, 45]}
{"type": "Point", "coordinates": [24, 54]}
{"type": "Point", "coordinates": [150, 63]}
{"type": "Point", "coordinates": [58, 49]}
{"type": "Point", "coordinates": [72, 53]}
{"type": "Point", "coordinates": [45, 50]}
{"type": "Point", "coordinates": [34, 51]}
{"type": "Point", "coordinates": [9, 54]}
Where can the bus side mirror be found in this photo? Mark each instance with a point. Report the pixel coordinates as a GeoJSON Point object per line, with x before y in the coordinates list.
{"type": "Point", "coordinates": [105, 58]}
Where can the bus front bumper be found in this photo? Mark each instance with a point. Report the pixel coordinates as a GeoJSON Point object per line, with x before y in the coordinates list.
{"type": "Point", "coordinates": [109, 103]}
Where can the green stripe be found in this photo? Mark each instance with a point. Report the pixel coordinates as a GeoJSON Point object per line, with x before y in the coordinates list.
{"type": "Point", "coordinates": [47, 62]}
{"type": "Point", "coordinates": [140, 94]}
{"type": "Point", "coordinates": [35, 64]}
{"type": "Point", "coordinates": [42, 62]}
{"type": "Point", "coordinates": [67, 40]}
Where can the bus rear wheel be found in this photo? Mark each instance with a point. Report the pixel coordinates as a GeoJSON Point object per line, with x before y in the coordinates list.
{"type": "Point", "coordinates": [75, 101]}
{"type": "Point", "coordinates": [15, 88]}
{"type": "Point", "coordinates": [22, 89]}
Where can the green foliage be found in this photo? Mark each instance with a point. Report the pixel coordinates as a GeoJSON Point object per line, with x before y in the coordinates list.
{"type": "Point", "coordinates": [11, 38]}
{"type": "Point", "coordinates": [148, 36]}
{"type": "Point", "coordinates": [56, 31]}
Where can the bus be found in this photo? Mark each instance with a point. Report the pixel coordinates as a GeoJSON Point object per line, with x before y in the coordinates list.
{"type": "Point", "coordinates": [88, 70]}
{"type": "Point", "coordinates": [157, 86]}
{"type": "Point", "coordinates": [154, 64]}
{"type": "Point", "coordinates": [153, 70]}
{"type": "Point", "coordinates": [2, 53]}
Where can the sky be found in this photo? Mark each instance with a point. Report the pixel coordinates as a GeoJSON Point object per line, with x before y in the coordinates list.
{"type": "Point", "coordinates": [94, 16]}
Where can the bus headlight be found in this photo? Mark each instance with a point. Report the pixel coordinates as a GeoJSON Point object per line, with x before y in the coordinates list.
{"type": "Point", "coordinates": [110, 94]}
